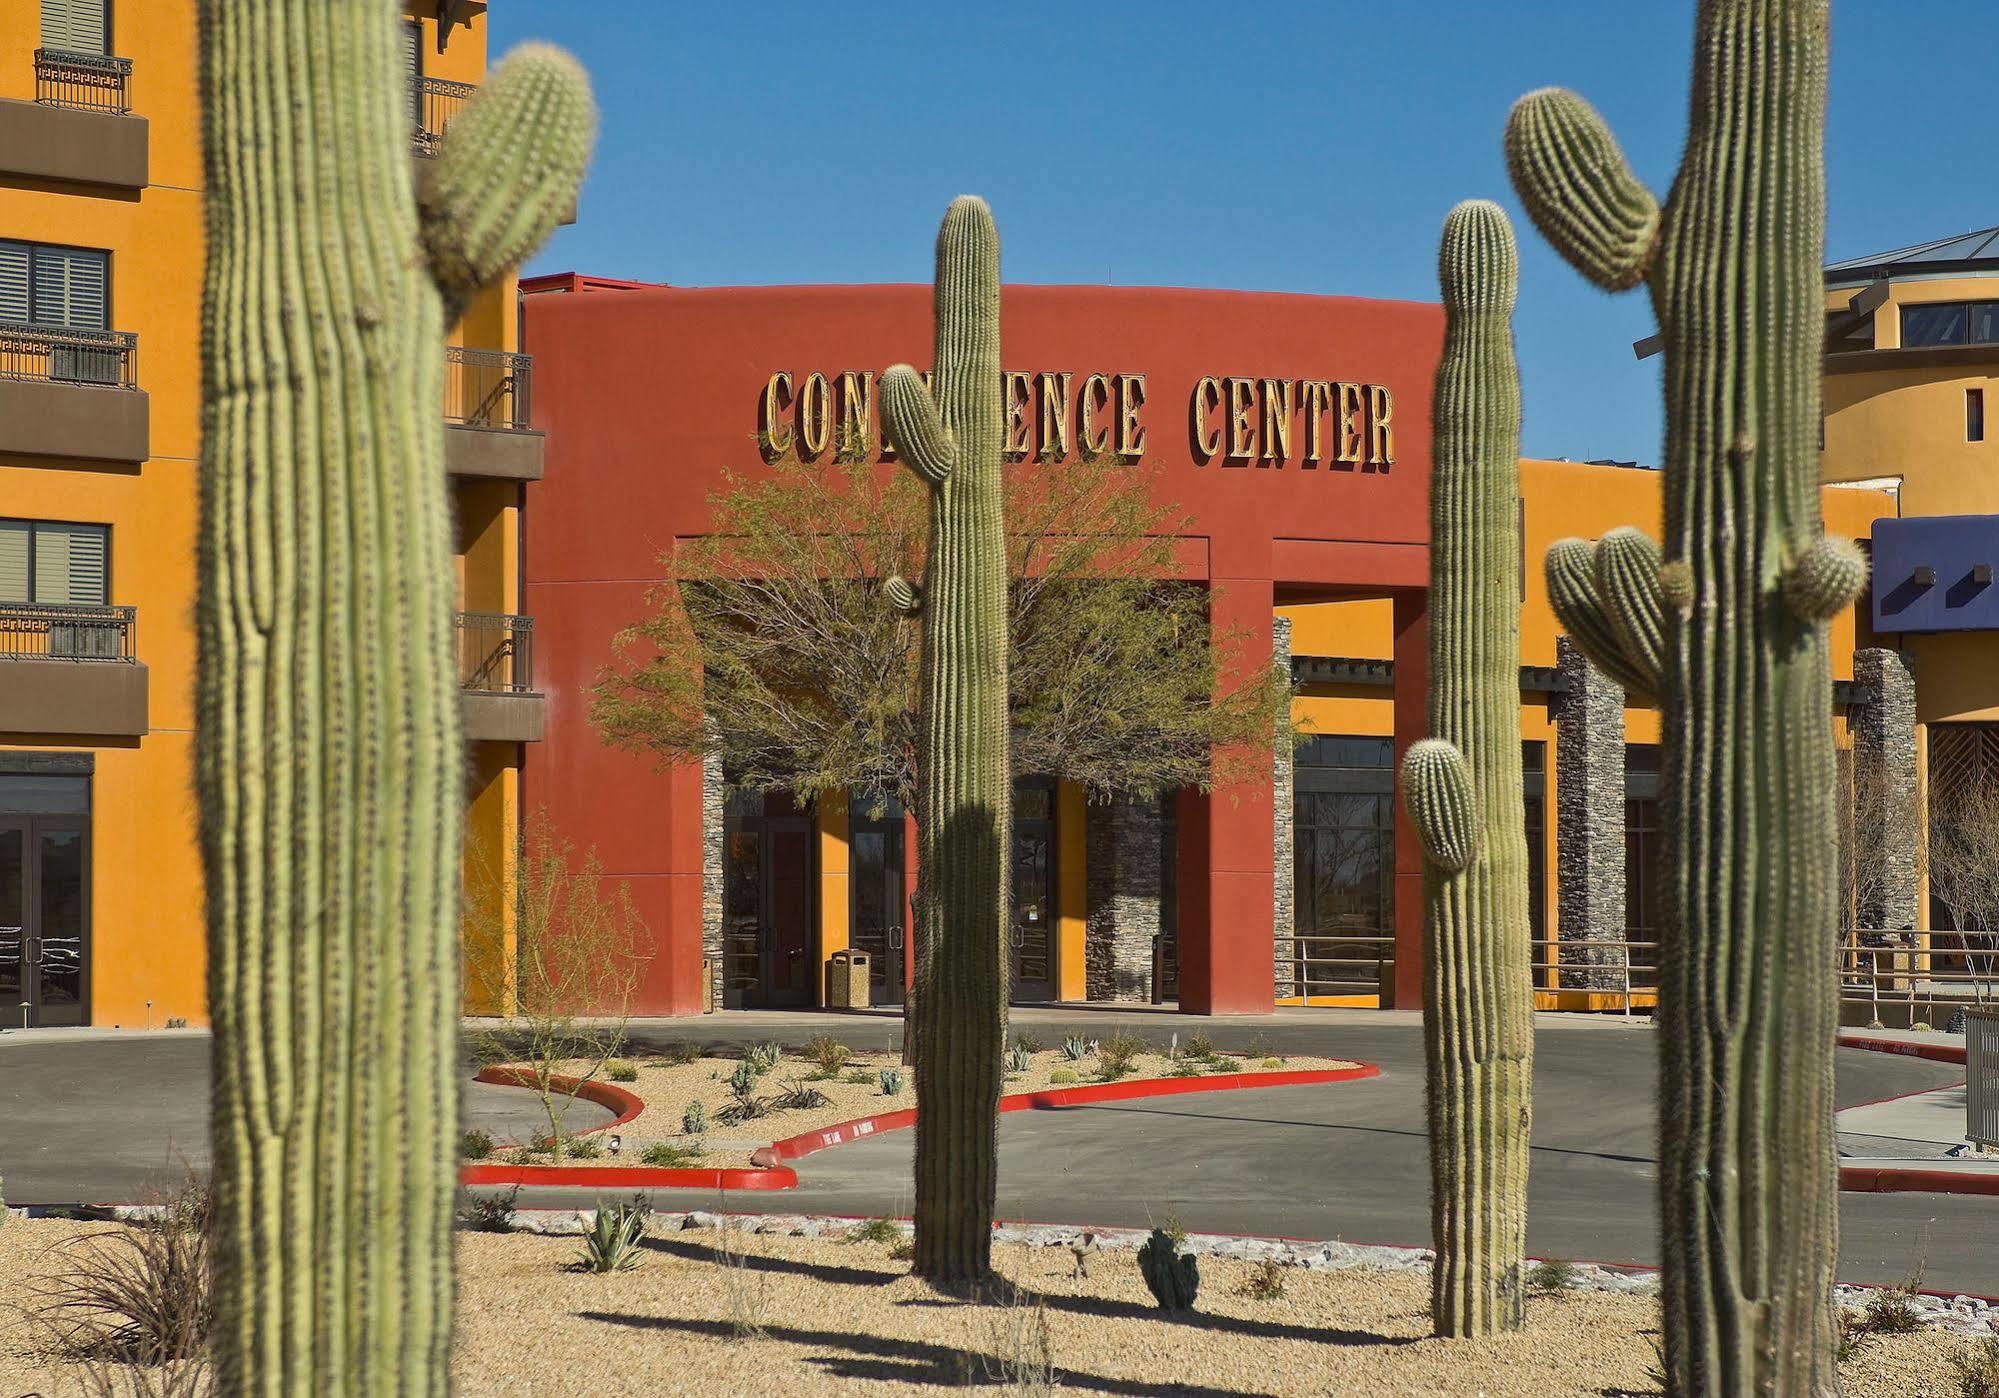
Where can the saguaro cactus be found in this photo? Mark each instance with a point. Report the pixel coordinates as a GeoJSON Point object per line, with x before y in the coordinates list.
{"type": "Point", "coordinates": [330, 764]}
{"type": "Point", "coordinates": [1462, 790]}
{"type": "Point", "coordinates": [951, 437]}
{"type": "Point", "coordinates": [1747, 1000]}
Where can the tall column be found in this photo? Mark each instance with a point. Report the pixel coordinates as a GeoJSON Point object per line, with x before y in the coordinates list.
{"type": "Point", "coordinates": [1412, 721]}
{"type": "Point", "coordinates": [1123, 866]}
{"type": "Point", "coordinates": [1887, 816]}
{"type": "Point", "coordinates": [1283, 867]}
{"type": "Point", "coordinates": [1589, 823]}
{"type": "Point", "coordinates": [712, 874]}
{"type": "Point", "coordinates": [1226, 941]}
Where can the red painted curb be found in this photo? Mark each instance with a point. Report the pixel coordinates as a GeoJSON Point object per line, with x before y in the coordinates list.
{"type": "Point", "coordinates": [1903, 1179]}
{"type": "Point", "coordinates": [1936, 1053]}
{"type": "Point", "coordinates": [630, 1176]}
{"type": "Point", "coordinates": [622, 1104]}
{"type": "Point", "coordinates": [811, 1142]}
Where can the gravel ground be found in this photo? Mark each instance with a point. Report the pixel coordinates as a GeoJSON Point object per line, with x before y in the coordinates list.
{"type": "Point", "coordinates": [668, 1088]}
{"type": "Point", "coordinates": [844, 1317]}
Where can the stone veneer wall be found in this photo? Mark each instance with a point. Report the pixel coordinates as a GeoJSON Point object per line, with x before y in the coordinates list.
{"type": "Point", "coordinates": [1589, 823]}
{"type": "Point", "coordinates": [1884, 755]}
{"type": "Point", "coordinates": [711, 873]}
{"type": "Point", "coordinates": [1122, 849]}
{"type": "Point", "coordinates": [1283, 901]}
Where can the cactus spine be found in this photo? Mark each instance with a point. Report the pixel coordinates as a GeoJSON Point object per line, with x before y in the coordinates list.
{"type": "Point", "coordinates": [1462, 790]}
{"type": "Point", "coordinates": [1747, 1000]}
{"type": "Point", "coordinates": [951, 438]}
{"type": "Point", "coordinates": [329, 750]}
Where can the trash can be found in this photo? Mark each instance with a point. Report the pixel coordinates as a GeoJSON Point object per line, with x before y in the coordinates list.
{"type": "Point", "coordinates": [709, 980]}
{"type": "Point", "coordinates": [847, 979]}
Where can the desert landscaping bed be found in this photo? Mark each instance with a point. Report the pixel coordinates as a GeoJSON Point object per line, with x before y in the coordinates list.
{"type": "Point", "coordinates": [668, 1085]}
{"type": "Point", "coordinates": [844, 1316]}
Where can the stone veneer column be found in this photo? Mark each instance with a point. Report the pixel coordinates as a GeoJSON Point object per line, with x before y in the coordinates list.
{"type": "Point", "coordinates": [1283, 865]}
{"type": "Point", "coordinates": [1884, 765]}
{"type": "Point", "coordinates": [1122, 845]}
{"type": "Point", "coordinates": [1589, 822]}
{"type": "Point", "coordinates": [711, 872]}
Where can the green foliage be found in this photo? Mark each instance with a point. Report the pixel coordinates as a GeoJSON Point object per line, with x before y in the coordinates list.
{"type": "Point", "coordinates": [1028, 1042]}
{"type": "Point", "coordinates": [474, 1144]}
{"type": "Point", "coordinates": [798, 1096]}
{"type": "Point", "coordinates": [1018, 1059]}
{"type": "Point", "coordinates": [875, 1230]}
{"type": "Point", "coordinates": [694, 1118]}
{"type": "Point", "coordinates": [582, 1148]}
{"type": "Point", "coordinates": [858, 1077]}
{"type": "Point", "coordinates": [1186, 1068]}
{"type": "Point", "coordinates": [331, 771]}
{"type": "Point", "coordinates": [670, 1155]}
{"type": "Point", "coordinates": [827, 1055]}
{"type": "Point", "coordinates": [744, 1102]}
{"type": "Point", "coordinates": [1893, 1311]}
{"type": "Point", "coordinates": [761, 1058]}
{"type": "Point", "coordinates": [891, 1082]}
{"type": "Point", "coordinates": [1200, 1046]}
{"type": "Point", "coordinates": [619, 1071]}
{"type": "Point", "coordinates": [1118, 1054]}
{"type": "Point", "coordinates": [1551, 1275]}
{"type": "Point", "coordinates": [1173, 1276]}
{"type": "Point", "coordinates": [679, 1055]}
{"type": "Point", "coordinates": [1272, 1063]}
{"type": "Point", "coordinates": [1075, 1048]}
{"type": "Point", "coordinates": [613, 1242]}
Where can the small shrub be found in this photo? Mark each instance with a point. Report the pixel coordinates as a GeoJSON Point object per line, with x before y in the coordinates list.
{"type": "Point", "coordinates": [1118, 1055]}
{"type": "Point", "coordinates": [874, 1230]}
{"type": "Point", "coordinates": [612, 1244]}
{"type": "Point", "coordinates": [670, 1155]}
{"type": "Point", "coordinates": [1551, 1275]}
{"type": "Point", "coordinates": [141, 1295]}
{"type": "Point", "coordinates": [1199, 1045]}
{"type": "Point", "coordinates": [1893, 1311]}
{"type": "Point", "coordinates": [903, 1249]}
{"type": "Point", "coordinates": [1851, 1335]}
{"type": "Point", "coordinates": [620, 1071]}
{"type": "Point", "coordinates": [1266, 1283]}
{"type": "Point", "coordinates": [827, 1055]}
{"type": "Point", "coordinates": [1019, 1060]}
{"type": "Point", "coordinates": [746, 1287]}
{"type": "Point", "coordinates": [1186, 1068]}
{"type": "Point", "coordinates": [1028, 1042]}
{"type": "Point", "coordinates": [474, 1145]}
{"type": "Point", "coordinates": [761, 1058]}
{"type": "Point", "coordinates": [858, 1077]}
{"type": "Point", "coordinates": [1260, 1047]}
{"type": "Point", "coordinates": [694, 1118]}
{"type": "Point", "coordinates": [891, 1082]}
{"type": "Point", "coordinates": [583, 1148]}
{"type": "Point", "coordinates": [1019, 1353]}
{"type": "Point", "coordinates": [1270, 1063]}
{"type": "Point", "coordinates": [1075, 1049]}
{"type": "Point", "coordinates": [1062, 1076]}
{"type": "Point", "coordinates": [678, 1055]}
{"type": "Point", "coordinates": [799, 1097]}
{"type": "Point", "coordinates": [1977, 1369]}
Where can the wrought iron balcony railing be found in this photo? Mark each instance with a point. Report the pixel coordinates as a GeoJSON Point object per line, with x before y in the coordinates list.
{"type": "Point", "coordinates": [56, 354]}
{"type": "Point", "coordinates": [496, 653]}
{"type": "Point", "coordinates": [486, 388]}
{"type": "Point", "coordinates": [436, 101]}
{"type": "Point", "coordinates": [84, 82]}
{"type": "Point", "coordinates": [31, 631]}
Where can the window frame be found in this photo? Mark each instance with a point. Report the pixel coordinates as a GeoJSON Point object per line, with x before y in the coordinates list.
{"type": "Point", "coordinates": [31, 244]}
{"type": "Point", "coordinates": [35, 526]}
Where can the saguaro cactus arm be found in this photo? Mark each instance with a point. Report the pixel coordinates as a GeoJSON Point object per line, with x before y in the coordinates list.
{"type": "Point", "coordinates": [1823, 580]}
{"type": "Point", "coordinates": [1437, 790]}
{"type": "Point", "coordinates": [903, 595]}
{"type": "Point", "coordinates": [1579, 190]}
{"type": "Point", "coordinates": [1573, 593]}
{"type": "Point", "coordinates": [915, 427]}
{"type": "Point", "coordinates": [1627, 579]}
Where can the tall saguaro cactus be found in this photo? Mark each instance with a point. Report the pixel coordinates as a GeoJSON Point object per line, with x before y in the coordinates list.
{"type": "Point", "coordinates": [1462, 789]}
{"type": "Point", "coordinates": [951, 437]}
{"type": "Point", "coordinates": [1732, 628]}
{"type": "Point", "coordinates": [330, 756]}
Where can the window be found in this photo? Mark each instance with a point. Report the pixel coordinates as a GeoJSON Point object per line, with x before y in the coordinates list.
{"type": "Point", "coordinates": [1950, 323]}
{"type": "Point", "coordinates": [1534, 792]}
{"type": "Point", "coordinates": [1343, 851]}
{"type": "Point", "coordinates": [77, 26]}
{"type": "Point", "coordinates": [1644, 848]}
{"type": "Point", "coordinates": [47, 564]}
{"type": "Point", "coordinates": [68, 288]}
{"type": "Point", "coordinates": [1974, 415]}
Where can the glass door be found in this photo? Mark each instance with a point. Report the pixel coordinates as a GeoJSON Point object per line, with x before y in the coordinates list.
{"type": "Point", "coordinates": [58, 946]}
{"type": "Point", "coordinates": [1031, 940]}
{"type": "Point", "coordinates": [15, 1009]}
{"type": "Point", "coordinates": [878, 906]}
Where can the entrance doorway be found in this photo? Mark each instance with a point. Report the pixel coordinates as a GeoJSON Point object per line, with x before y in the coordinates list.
{"type": "Point", "coordinates": [879, 910]}
{"type": "Point", "coordinates": [1031, 940]}
{"type": "Point", "coordinates": [767, 904]}
{"type": "Point", "coordinates": [44, 900]}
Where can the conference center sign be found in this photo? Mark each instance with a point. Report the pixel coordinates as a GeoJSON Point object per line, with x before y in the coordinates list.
{"type": "Point", "coordinates": [1232, 421]}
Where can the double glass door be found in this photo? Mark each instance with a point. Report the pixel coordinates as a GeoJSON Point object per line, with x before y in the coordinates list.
{"type": "Point", "coordinates": [44, 919]}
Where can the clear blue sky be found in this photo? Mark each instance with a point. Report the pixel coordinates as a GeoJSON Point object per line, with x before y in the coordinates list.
{"type": "Point", "coordinates": [1295, 145]}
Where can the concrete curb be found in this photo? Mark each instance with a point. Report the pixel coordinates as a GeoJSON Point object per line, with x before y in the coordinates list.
{"type": "Point", "coordinates": [1903, 1179]}
{"type": "Point", "coordinates": [1907, 1048]}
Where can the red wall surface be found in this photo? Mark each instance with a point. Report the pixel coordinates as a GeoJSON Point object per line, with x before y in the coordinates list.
{"type": "Point", "coordinates": [648, 394]}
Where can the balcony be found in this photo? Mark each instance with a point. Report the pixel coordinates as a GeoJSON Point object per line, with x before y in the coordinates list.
{"type": "Point", "coordinates": [496, 672]}
{"type": "Point", "coordinates": [71, 671]}
{"type": "Point", "coordinates": [437, 101]}
{"type": "Point", "coordinates": [72, 394]}
{"type": "Point", "coordinates": [486, 415]}
{"type": "Point", "coordinates": [80, 127]}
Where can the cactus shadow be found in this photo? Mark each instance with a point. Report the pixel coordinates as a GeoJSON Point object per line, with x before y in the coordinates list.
{"type": "Point", "coordinates": [689, 1251]}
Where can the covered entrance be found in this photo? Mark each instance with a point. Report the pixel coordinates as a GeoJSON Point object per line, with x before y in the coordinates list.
{"type": "Point", "coordinates": [44, 900]}
{"type": "Point", "coordinates": [767, 904]}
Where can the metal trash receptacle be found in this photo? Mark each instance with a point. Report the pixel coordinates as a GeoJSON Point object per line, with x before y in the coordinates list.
{"type": "Point", "coordinates": [847, 979]}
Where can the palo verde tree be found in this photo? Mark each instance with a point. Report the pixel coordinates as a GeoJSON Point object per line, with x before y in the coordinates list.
{"type": "Point", "coordinates": [1727, 625]}
{"type": "Point", "coordinates": [1462, 790]}
{"type": "Point", "coordinates": [330, 762]}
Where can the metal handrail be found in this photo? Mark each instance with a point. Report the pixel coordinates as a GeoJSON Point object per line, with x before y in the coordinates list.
{"type": "Point", "coordinates": [65, 631]}
{"type": "Point", "coordinates": [1911, 977]}
{"type": "Point", "coordinates": [437, 101]}
{"type": "Point", "coordinates": [1627, 971]}
{"type": "Point", "coordinates": [1315, 972]}
{"type": "Point", "coordinates": [62, 354]}
{"type": "Point", "coordinates": [496, 653]}
{"type": "Point", "coordinates": [84, 82]}
{"type": "Point", "coordinates": [487, 388]}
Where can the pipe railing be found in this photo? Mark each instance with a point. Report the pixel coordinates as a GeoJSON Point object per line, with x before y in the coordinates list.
{"type": "Point", "coordinates": [32, 631]}
{"type": "Point", "coordinates": [1909, 970]}
{"type": "Point", "coordinates": [84, 82]}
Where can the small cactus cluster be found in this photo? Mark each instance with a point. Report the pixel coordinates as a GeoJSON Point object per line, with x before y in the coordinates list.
{"type": "Point", "coordinates": [1173, 1276]}
{"type": "Point", "coordinates": [891, 1082]}
{"type": "Point", "coordinates": [694, 1120]}
{"type": "Point", "coordinates": [1462, 788]}
{"type": "Point", "coordinates": [950, 434]}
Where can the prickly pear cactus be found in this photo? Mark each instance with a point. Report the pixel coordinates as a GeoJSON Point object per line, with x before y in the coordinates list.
{"type": "Point", "coordinates": [330, 761]}
{"type": "Point", "coordinates": [1462, 789]}
{"type": "Point", "coordinates": [1173, 1276]}
{"type": "Point", "coordinates": [1747, 1001]}
{"type": "Point", "coordinates": [950, 435]}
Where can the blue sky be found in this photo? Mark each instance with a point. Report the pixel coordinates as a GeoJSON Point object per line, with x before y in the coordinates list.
{"type": "Point", "coordinates": [1298, 145]}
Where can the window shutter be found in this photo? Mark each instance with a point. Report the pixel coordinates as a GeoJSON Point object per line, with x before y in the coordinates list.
{"type": "Point", "coordinates": [76, 26]}
{"type": "Point", "coordinates": [14, 261]}
{"type": "Point", "coordinates": [69, 287]}
{"type": "Point", "coordinates": [69, 564]}
{"type": "Point", "coordinates": [13, 560]}
{"type": "Point", "coordinates": [413, 65]}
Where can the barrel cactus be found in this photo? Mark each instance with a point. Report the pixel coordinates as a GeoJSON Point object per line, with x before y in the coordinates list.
{"type": "Point", "coordinates": [330, 758]}
{"type": "Point", "coordinates": [1462, 789]}
{"type": "Point", "coordinates": [950, 435]}
{"type": "Point", "coordinates": [1744, 585]}
{"type": "Point", "coordinates": [1173, 1276]}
